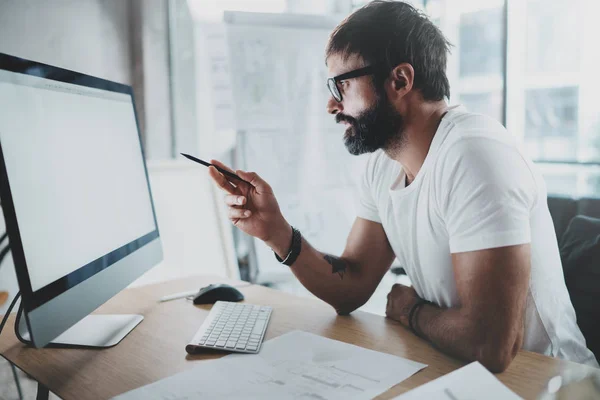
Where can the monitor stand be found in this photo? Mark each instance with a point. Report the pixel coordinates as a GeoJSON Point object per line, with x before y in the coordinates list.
{"type": "Point", "coordinates": [95, 330]}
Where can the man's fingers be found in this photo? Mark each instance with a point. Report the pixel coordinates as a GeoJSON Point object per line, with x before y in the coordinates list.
{"type": "Point", "coordinates": [233, 180]}
{"type": "Point", "coordinates": [238, 213]}
{"type": "Point", "coordinates": [255, 180]}
{"type": "Point", "coordinates": [221, 165]}
{"type": "Point", "coordinates": [221, 181]}
{"type": "Point", "coordinates": [388, 305]}
{"type": "Point", "coordinates": [251, 177]}
{"type": "Point", "coordinates": [234, 200]}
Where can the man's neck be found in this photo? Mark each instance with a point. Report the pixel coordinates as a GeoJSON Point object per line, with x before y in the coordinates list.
{"type": "Point", "coordinates": [420, 126]}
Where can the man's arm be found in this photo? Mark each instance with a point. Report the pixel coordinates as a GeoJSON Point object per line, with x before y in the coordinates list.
{"type": "Point", "coordinates": [345, 282]}
{"type": "Point", "coordinates": [488, 325]}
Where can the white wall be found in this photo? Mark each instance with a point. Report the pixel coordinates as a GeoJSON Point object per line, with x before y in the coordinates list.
{"type": "Point", "coordinates": [89, 36]}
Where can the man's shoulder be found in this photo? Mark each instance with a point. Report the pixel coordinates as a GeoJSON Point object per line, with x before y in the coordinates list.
{"type": "Point", "coordinates": [465, 125]}
{"type": "Point", "coordinates": [469, 133]}
{"type": "Point", "coordinates": [479, 147]}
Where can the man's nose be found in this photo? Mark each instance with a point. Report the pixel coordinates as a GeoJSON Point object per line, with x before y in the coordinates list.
{"type": "Point", "coordinates": [333, 106]}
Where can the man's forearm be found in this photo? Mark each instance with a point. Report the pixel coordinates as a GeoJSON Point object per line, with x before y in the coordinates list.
{"type": "Point", "coordinates": [463, 335]}
{"type": "Point", "coordinates": [448, 330]}
{"type": "Point", "coordinates": [332, 279]}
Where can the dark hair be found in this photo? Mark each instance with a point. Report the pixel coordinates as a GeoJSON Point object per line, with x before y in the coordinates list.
{"type": "Point", "coordinates": [389, 33]}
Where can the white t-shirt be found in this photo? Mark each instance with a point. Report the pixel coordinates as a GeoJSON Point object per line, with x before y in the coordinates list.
{"type": "Point", "coordinates": [476, 190]}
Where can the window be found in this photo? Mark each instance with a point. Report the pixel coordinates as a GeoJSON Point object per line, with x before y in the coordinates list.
{"type": "Point", "coordinates": [476, 63]}
{"type": "Point", "coordinates": [552, 86]}
{"type": "Point", "coordinates": [532, 64]}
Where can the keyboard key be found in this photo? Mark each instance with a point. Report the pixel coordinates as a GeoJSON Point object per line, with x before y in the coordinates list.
{"type": "Point", "coordinates": [230, 345]}
{"type": "Point", "coordinates": [220, 343]}
{"type": "Point", "coordinates": [259, 327]}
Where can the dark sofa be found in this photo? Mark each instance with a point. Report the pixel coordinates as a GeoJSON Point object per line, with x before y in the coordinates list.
{"type": "Point", "coordinates": [577, 226]}
{"type": "Point", "coordinates": [563, 209]}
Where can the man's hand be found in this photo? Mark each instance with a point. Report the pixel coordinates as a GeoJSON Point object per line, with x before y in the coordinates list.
{"type": "Point", "coordinates": [253, 207]}
{"type": "Point", "coordinates": [399, 302]}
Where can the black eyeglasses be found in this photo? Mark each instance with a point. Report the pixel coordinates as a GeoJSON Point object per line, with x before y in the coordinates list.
{"type": "Point", "coordinates": [332, 82]}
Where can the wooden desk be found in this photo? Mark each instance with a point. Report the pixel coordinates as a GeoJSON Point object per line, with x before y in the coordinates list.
{"type": "Point", "coordinates": [156, 348]}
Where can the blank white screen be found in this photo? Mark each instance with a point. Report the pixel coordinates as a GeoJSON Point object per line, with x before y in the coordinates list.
{"type": "Point", "coordinates": [75, 171]}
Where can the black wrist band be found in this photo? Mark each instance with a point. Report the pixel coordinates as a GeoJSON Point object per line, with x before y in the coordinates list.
{"type": "Point", "coordinates": [413, 314]}
{"type": "Point", "coordinates": [295, 248]}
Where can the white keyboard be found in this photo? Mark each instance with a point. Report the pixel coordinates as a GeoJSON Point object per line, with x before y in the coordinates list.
{"type": "Point", "coordinates": [232, 326]}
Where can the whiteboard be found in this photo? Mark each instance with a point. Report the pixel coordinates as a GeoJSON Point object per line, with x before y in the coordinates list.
{"type": "Point", "coordinates": [278, 77]}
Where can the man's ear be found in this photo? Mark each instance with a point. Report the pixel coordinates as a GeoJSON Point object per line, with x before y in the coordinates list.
{"type": "Point", "coordinates": [402, 78]}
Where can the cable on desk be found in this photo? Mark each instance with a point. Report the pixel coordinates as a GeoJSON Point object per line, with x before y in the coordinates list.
{"type": "Point", "coordinates": [17, 322]}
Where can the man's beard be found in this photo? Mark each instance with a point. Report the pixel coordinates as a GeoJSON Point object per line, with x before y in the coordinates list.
{"type": "Point", "coordinates": [377, 128]}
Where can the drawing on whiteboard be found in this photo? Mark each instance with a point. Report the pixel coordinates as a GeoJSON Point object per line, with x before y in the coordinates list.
{"type": "Point", "coordinates": [219, 75]}
{"type": "Point", "coordinates": [259, 79]}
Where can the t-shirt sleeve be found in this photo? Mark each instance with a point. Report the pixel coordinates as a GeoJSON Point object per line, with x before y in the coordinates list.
{"type": "Point", "coordinates": [485, 192]}
{"type": "Point", "coordinates": [367, 207]}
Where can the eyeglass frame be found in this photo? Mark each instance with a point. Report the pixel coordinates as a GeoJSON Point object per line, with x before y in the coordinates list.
{"type": "Point", "coordinates": [332, 82]}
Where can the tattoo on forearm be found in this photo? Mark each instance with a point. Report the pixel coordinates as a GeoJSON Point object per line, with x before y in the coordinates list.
{"type": "Point", "coordinates": [338, 266]}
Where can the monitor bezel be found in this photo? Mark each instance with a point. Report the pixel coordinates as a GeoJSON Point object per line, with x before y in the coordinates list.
{"type": "Point", "coordinates": [33, 299]}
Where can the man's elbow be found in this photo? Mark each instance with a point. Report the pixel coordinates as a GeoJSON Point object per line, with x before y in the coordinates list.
{"type": "Point", "coordinates": [348, 307]}
{"type": "Point", "coordinates": [496, 362]}
{"type": "Point", "coordinates": [496, 357]}
{"type": "Point", "coordinates": [345, 309]}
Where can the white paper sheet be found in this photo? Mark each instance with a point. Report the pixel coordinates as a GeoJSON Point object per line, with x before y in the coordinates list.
{"type": "Point", "coordinates": [297, 365]}
{"type": "Point", "coordinates": [470, 382]}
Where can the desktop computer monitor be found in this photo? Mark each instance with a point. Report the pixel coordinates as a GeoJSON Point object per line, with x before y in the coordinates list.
{"type": "Point", "coordinates": [76, 199]}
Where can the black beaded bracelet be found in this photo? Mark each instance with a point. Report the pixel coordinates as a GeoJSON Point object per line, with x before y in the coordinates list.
{"type": "Point", "coordinates": [295, 248]}
{"type": "Point", "coordinates": [413, 313]}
